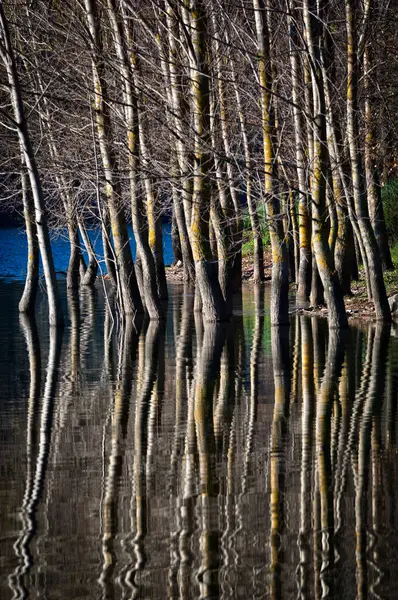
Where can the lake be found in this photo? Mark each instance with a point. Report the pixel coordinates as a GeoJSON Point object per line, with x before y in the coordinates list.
{"type": "Point", "coordinates": [14, 250]}
{"type": "Point", "coordinates": [175, 460]}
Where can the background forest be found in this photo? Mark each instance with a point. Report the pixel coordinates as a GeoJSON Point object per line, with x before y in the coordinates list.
{"type": "Point", "coordinates": [246, 122]}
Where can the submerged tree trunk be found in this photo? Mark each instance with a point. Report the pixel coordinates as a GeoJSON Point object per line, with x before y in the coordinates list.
{"type": "Point", "coordinates": [143, 234]}
{"type": "Point", "coordinates": [7, 55]}
{"type": "Point", "coordinates": [304, 271]}
{"type": "Point", "coordinates": [379, 296]}
{"type": "Point", "coordinates": [213, 303]}
{"type": "Point", "coordinates": [128, 292]}
{"type": "Point", "coordinates": [280, 271]}
{"type": "Point", "coordinates": [183, 167]}
{"type": "Point", "coordinates": [232, 207]}
{"type": "Point", "coordinates": [258, 251]}
{"type": "Point", "coordinates": [324, 260]}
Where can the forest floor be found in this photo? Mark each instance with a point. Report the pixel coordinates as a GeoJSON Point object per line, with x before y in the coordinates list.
{"type": "Point", "coordinates": [357, 304]}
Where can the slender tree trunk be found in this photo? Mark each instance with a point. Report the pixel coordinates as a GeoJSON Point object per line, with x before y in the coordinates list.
{"type": "Point", "coordinates": [258, 251]}
{"type": "Point", "coordinates": [232, 208]}
{"type": "Point", "coordinates": [304, 222]}
{"type": "Point", "coordinates": [155, 237]}
{"type": "Point", "coordinates": [28, 300]}
{"type": "Point", "coordinates": [334, 298]}
{"type": "Point", "coordinates": [221, 219]}
{"type": "Point", "coordinates": [7, 55]}
{"type": "Point", "coordinates": [128, 292]}
{"type": "Point", "coordinates": [182, 157]}
{"type": "Point", "coordinates": [214, 308]}
{"type": "Point", "coordinates": [91, 271]}
{"type": "Point", "coordinates": [175, 234]}
{"type": "Point", "coordinates": [379, 296]}
{"type": "Point", "coordinates": [280, 271]}
{"type": "Point", "coordinates": [376, 210]}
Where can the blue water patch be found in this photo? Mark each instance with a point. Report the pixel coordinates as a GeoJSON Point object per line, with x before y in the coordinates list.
{"type": "Point", "coordinates": [14, 250]}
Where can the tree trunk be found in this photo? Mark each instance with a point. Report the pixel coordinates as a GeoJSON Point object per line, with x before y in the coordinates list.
{"type": "Point", "coordinates": [334, 298]}
{"type": "Point", "coordinates": [258, 251]}
{"type": "Point", "coordinates": [214, 308]}
{"type": "Point", "coordinates": [379, 296]}
{"type": "Point", "coordinates": [372, 184]}
{"type": "Point", "coordinates": [90, 274]}
{"type": "Point", "coordinates": [280, 271]}
{"type": "Point", "coordinates": [128, 293]}
{"type": "Point", "coordinates": [175, 234]}
{"type": "Point", "coordinates": [182, 156]}
{"type": "Point", "coordinates": [232, 207]}
{"type": "Point", "coordinates": [304, 271]}
{"type": "Point", "coordinates": [28, 300]}
{"type": "Point", "coordinates": [7, 55]}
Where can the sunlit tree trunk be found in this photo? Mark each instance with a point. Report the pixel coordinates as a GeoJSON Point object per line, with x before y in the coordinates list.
{"type": "Point", "coordinates": [183, 210]}
{"type": "Point", "coordinates": [155, 237]}
{"type": "Point", "coordinates": [324, 259]}
{"type": "Point", "coordinates": [143, 234]}
{"type": "Point", "coordinates": [221, 217]}
{"type": "Point", "coordinates": [379, 296]}
{"type": "Point", "coordinates": [128, 292]}
{"type": "Point", "coordinates": [280, 274]}
{"type": "Point", "coordinates": [28, 300]}
{"type": "Point", "coordinates": [19, 121]}
{"type": "Point", "coordinates": [376, 210]}
{"type": "Point", "coordinates": [73, 271]}
{"type": "Point", "coordinates": [258, 251]}
{"type": "Point", "coordinates": [232, 208]}
{"type": "Point", "coordinates": [213, 303]}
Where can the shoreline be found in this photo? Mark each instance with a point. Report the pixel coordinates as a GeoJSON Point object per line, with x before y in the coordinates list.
{"type": "Point", "coordinates": [357, 304]}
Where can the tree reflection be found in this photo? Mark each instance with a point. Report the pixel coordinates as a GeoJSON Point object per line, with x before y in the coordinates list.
{"type": "Point", "coordinates": [43, 425]}
{"type": "Point", "coordinates": [128, 341]}
{"type": "Point", "coordinates": [235, 459]}
{"type": "Point", "coordinates": [281, 370]}
{"type": "Point", "coordinates": [206, 374]}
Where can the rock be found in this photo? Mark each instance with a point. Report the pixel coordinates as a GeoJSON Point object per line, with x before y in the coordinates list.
{"type": "Point", "coordinates": [393, 302]}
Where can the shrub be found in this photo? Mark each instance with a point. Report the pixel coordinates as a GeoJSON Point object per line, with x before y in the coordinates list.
{"type": "Point", "coordinates": [389, 195]}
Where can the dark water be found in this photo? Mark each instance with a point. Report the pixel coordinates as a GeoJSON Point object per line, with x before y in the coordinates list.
{"type": "Point", "coordinates": [182, 461]}
{"type": "Point", "coordinates": [14, 250]}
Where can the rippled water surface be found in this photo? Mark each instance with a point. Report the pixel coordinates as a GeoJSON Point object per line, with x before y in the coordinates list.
{"type": "Point", "coordinates": [180, 461]}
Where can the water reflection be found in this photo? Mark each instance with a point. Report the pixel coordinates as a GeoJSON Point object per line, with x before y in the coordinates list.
{"type": "Point", "coordinates": [191, 460]}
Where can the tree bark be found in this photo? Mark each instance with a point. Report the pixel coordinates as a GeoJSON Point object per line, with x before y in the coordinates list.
{"type": "Point", "coordinates": [7, 55]}
{"type": "Point", "coordinates": [28, 300]}
{"type": "Point", "coordinates": [337, 317]}
{"type": "Point", "coordinates": [90, 274]}
{"type": "Point", "coordinates": [376, 210]}
{"type": "Point", "coordinates": [280, 271]}
{"type": "Point", "coordinates": [304, 222]}
{"type": "Point", "coordinates": [213, 303]}
{"type": "Point", "coordinates": [379, 296]}
{"type": "Point", "coordinates": [128, 292]}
